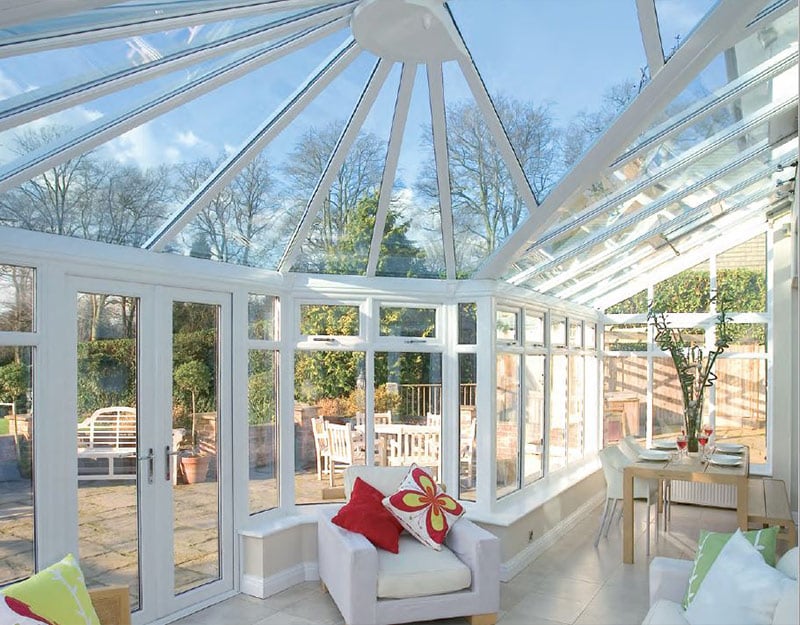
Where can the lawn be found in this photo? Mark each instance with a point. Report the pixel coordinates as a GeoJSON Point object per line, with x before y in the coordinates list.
{"type": "Point", "coordinates": [3, 426]}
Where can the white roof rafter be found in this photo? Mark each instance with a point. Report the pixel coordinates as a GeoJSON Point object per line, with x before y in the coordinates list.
{"type": "Point", "coordinates": [402, 104]}
{"type": "Point", "coordinates": [439, 127]}
{"type": "Point", "coordinates": [651, 35]}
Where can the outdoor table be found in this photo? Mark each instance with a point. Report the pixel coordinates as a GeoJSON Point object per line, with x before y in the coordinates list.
{"type": "Point", "coordinates": [690, 469]}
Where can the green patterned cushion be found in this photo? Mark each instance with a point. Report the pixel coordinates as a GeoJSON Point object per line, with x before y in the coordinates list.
{"type": "Point", "coordinates": [57, 594]}
{"type": "Point", "coordinates": [711, 543]}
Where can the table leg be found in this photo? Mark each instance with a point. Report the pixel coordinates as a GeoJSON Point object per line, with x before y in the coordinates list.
{"type": "Point", "coordinates": [627, 516]}
{"type": "Point", "coordinates": [741, 503]}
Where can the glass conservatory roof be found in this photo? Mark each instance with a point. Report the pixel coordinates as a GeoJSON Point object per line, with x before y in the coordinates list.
{"type": "Point", "coordinates": [562, 146]}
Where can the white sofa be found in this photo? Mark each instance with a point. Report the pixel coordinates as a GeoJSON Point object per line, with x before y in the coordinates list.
{"type": "Point", "coordinates": [373, 587]}
{"type": "Point", "coordinates": [669, 578]}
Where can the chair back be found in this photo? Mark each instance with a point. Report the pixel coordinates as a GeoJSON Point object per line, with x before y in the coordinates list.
{"type": "Point", "coordinates": [340, 442]}
{"type": "Point", "coordinates": [613, 461]}
{"type": "Point", "coordinates": [320, 433]}
{"type": "Point", "coordinates": [385, 479]}
{"type": "Point", "coordinates": [630, 447]}
{"type": "Point", "coordinates": [383, 418]}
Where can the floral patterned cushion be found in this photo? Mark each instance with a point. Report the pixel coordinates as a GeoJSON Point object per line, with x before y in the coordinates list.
{"type": "Point", "coordinates": [423, 508]}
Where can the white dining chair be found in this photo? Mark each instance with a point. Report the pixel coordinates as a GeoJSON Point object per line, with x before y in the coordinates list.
{"type": "Point", "coordinates": [614, 461]}
{"type": "Point", "coordinates": [632, 450]}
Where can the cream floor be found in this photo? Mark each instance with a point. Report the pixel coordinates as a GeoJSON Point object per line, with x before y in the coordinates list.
{"type": "Point", "coordinates": [571, 583]}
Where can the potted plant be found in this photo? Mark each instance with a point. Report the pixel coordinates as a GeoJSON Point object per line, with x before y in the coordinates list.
{"type": "Point", "coordinates": [193, 377]}
{"type": "Point", "coordinates": [693, 366]}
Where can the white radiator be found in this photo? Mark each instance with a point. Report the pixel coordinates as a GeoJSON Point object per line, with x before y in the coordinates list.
{"type": "Point", "coordinates": [718, 495]}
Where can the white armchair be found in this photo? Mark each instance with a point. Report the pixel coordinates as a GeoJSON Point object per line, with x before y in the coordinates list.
{"type": "Point", "coordinates": [372, 586]}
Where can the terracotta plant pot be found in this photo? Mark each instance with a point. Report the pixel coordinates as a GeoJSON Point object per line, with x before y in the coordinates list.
{"type": "Point", "coordinates": [195, 468]}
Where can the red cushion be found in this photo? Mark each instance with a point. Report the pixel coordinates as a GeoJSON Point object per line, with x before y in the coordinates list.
{"type": "Point", "coordinates": [365, 514]}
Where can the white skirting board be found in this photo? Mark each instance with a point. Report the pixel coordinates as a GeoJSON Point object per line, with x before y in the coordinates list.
{"type": "Point", "coordinates": [718, 495]}
{"type": "Point", "coordinates": [263, 587]}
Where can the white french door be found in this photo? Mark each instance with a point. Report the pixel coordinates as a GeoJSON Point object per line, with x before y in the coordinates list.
{"type": "Point", "coordinates": [145, 517]}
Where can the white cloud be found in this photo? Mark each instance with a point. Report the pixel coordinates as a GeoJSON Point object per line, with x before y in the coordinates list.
{"type": "Point", "coordinates": [188, 139]}
{"type": "Point", "coordinates": [8, 87]}
{"type": "Point", "coordinates": [137, 147]}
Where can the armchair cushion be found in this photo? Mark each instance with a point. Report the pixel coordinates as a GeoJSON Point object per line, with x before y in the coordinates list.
{"type": "Point", "coordinates": [423, 508]}
{"type": "Point", "coordinates": [709, 546]}
{"type": "Point", "coordinates": [740, 587]}
{"type": "Point", "coordinates": [418, 571]}
{"type": "Point", "coordinates": [364, 513]}
{"type": "Point", "coordinates": [57, 593]}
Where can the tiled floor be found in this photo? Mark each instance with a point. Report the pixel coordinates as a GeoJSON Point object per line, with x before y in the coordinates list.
{"type": "Point", "coordinates": [572, 582]}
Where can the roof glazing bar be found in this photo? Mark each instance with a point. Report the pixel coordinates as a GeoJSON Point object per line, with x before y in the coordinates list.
{"type": "Point", "coordinates": [402, 104]}
{"type": "Point", "coordinates": [653, 208]}
{"type": "Point", "coordinates": [52, 101]}
{"type": "Point", "coordinates": [368, 95]}
{"type": "Point", "coordinates": [721, 97]}
{"type": "Point", "coordinates": [713, 143]}
{"type": "Point", "coordinates": [307, 91]}
{"type": "Point", "coordinates": [651, 35]}
{"type": "Point", "coordinates": [439, 126]}
{"type": "Point", "coordinates": [195, 14]}
{"type": "Point", "coordinates": [667, 264]}
{"type": "Point", "coordinates": [13, 12]}
{"type": "Point", "coordinates": [690, 217]}
{"type": "Point", "coordinates": [94, 134]}
{"type": "Point", "coordinates": [713, 35]}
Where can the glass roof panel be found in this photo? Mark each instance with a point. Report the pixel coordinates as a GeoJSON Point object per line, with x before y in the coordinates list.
{"type": "Point", "coordinates": [340, 238]}
{"type": "Point", "coordinates": [677, 18]}
{"type": "Point", "coordinates": [415, 200]}
{"type": "Point", "coordinates": [573, 92]}
{"type": "Point", "coordinates": [42, 78]}
{"type": "Point", "coordinates": [118, 15]}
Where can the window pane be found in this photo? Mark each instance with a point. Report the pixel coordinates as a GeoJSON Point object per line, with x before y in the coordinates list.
{"type": "Point", "coordinates": [17, 547]}
{"type": "Point", "coordinates": [108, 439]}
{"type": "Point", "coordinates": [16, 298]}
{"type": "Point", "coordinates": [625, 337]}
{"type": "Point", "coordinates": [634, 304]}
{"type": "Point", "coordinates": [590, 335]}
{"type": "Point", "coordinates": [467, 324]}
{"type": "Point", "coordinates": [468, 426]}
{"type": "Point", "coordinates": [508, 372]}
{"type": "Point", "coordinates": [557, 445]}
{"type": "Point", "coordinates": [575, 408]}
{"type": "Point", "coordinates": [262, 394]}
{"type": "Point", "coordinates": [534, 417]}
{"type": "Point", "coordinates": [575, 334]}
{"type": "Point", "coordinates": [688, 291]}
{"type": "Point", "coordinates": [742, 276]}
{"type": "Point", "coordinates": [326, 392]}
{"type": "Point", "coordinates": [409, 384]}
{"type": "Point", "coordinates": [534, 327]}
{"type": "Point", "coordinates": [261, 320]}
{"type": "Point", "coordinates": [667, 398]}
{"type": "Point", "coordinates": [417, 322]}
{"type": "Point", "coordinates": [625, 395]}
{"type": "Point", "coordinates": [558, 331]}
{"type": "Point", "coordinates": [741, 387]}
{"type": "Point", "coordinates": [327, 320]}
{"type": "Point", "coordinates": [506, 325]}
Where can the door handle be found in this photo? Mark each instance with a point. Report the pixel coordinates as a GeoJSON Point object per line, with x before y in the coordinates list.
{"type": "Point", "coordinates": [168, 462]}
{"type": "Point", "coordinates": [151, 464]}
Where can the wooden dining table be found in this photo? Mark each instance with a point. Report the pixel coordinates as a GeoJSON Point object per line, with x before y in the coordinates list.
{"type": "Point", "coordinates": [690, 469]}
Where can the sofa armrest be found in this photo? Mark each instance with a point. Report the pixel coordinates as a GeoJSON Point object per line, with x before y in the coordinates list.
{"type": "Point", "coordinates": [669, 578]}
{"type": "Point", "coordinates": [348, 566]}
{"type": "Point", "coordinates": [479, 549]}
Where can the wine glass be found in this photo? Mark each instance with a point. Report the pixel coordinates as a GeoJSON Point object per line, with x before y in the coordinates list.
{"type": "Point", "coordinates": [682, 442]}
{"type": "Point", "coordinates": [702, 438]}
{"type": "Point", "coordinates": [708, 430]}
